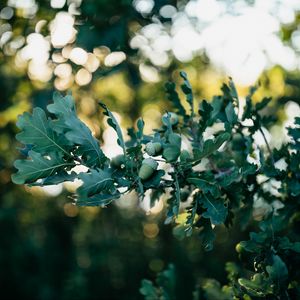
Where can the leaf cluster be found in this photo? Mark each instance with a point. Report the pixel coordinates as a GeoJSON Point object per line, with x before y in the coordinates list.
{"type": "Point", "coordinates": [205, 159]}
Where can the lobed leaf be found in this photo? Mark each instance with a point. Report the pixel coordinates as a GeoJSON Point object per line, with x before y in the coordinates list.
{"type": "Point", "coordinates": [38, 167]}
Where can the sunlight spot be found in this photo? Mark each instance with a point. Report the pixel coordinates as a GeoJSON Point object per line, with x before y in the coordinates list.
{"type": "Point", "coordinates": [39, 71]}
{"type": "Point", "coordinates": [92, 63]}
{"type": "Point", "coordinates": [143, 6]}
{"type": "Point", "coordinates": [53, 190]}
{"type": "Point", "coordinates": [63, 70]}
{"type": "Point", "coordinates": [149, 73]}
{"type": "Point", "coordinates": [78, 56]}
{"type": "Point", "coordinates": [39, 25]}
{"type": "Point", "coordinates": [63, 84]}
{"type": "Point", "coordinates": [114, 58]}
{"type": "Point", "coordinates": [167, 11]}
{"type": "Point", "coordinates": [58, 58]}
{"type": "Point", "coordinates": [58, 3]}
{"type": "Point", "coordinates": [62, 30]}
{"type": "Point", "coordinates": [83, 77]}
{"type": "Point", "coordinates": [150, 230]}
{"type": "Point", "coordinates": [66, 51]}
{"type": "Point", "coordinates": [6, 13]}
{"type": "Point", "coordinates": [70, 210]}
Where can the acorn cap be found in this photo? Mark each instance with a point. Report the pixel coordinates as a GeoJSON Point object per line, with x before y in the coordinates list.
{"type": "Point", "coordinates": [150, 148]}
{"type": "Point", "coordinates": [153, 148]}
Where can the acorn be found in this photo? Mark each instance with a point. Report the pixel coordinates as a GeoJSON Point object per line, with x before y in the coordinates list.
{"type": "Point", "coordinates": [117, 161]}
{"type": "Point", "coordinates": [148, 167]}
{"type": "Point", "coordinates": [172, 117]}
{"type": "Point", "coordinates": [153, 148]}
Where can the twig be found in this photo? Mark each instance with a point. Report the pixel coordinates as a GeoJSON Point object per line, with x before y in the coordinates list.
{"type": "Point", "coordinates": [267, 144]}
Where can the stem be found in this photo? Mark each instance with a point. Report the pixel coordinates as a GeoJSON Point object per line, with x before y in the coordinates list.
{"type": "Point", "coordinates": [267, 144]}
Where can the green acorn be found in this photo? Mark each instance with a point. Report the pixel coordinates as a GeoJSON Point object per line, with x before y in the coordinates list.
{"type": "Point", "coordinates": [117, 161]}
{"type": "Point", "coordinates": [153, 148]}
{"type": "Point", "coordinates": [172, 117]}
{"type": "Point", "coordinates": [148, 167]}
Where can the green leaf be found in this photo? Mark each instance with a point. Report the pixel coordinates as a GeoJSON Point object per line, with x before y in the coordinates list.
{"type": "Point", "coordinates": [191, 218]}
{"type": "Point", "coordinates": [97, 188]}
{"type": "Point", "coordinates": [227, 178]}
{"type": "Point", "coordinates": [174, 139]}
{"type": "Point", "coordinates": [211, 146]}
{"type": "Point", "coordinates": [233, 91]}
{"type": "Point", "coordinates": [62, 106]}
{"type": "Point", "coordinates": [171, 153]}
{"type": "Point", "coordinates": [230, 113]}
{"type": "Point", "coordinates": [166, 284]}
{"type": "Point", "coordinates": [216, 211]}
{"type": "Point", "coordinates": [76, 131]}
{"type": "Point", "coordinates": [98, 199]}
{"type": "Point", "coordinates": [174, 200]}
{"type": "Point", "coordinates": [213, 291]}
{"type": "Point", "coordinates": [36, 130]}
{"type": "Point", "coordinates": [154, 180]}
{"type": "Point", "coordinates": [205, 112]}
{"type": "Point", "coordinates": [148, 290]}
{"type": "Point", "coordinates": [79, 134]}
{"type": "Point", "coordinates": [39, 167]}
{"type": "Point", "coordinates": [278, 271]}
{"type": "Point", "coordinates": [249, 107]}
{"type": "Point", "coordinates": [206, 185]}
{"type": "Point", "coordinates": [257, 242]}
{"type": "Point", "coordinates": [167, 281]}
{"type": "Point", "coordinates": [258, 286]}
{"type": "Point", "coordinates": [187, 90]}
{"type": "Point", "coordinates": [261, 105]}
{"type": "Point", "coordinates": [294, 133]}
{"type": "Point", "coordinates": [111, 121]}
{"type": "Point", "coordinates": [62, 176]}
{"type": "Point", "coordinates": [140, 126]}
{"type": "Point", "coordinates": [285, 244]}
{"type": "Point", "coordinates": [206, 234]}
{"type": "Point", "coordinates": [174, 98]}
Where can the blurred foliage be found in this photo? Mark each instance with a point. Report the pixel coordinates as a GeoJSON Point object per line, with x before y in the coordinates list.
{"type": "Point", "coordinates": [51, 250]}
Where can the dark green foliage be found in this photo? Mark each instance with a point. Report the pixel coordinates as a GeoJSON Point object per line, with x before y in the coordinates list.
{"type": "Point", "coordinates": [165, 289]}
{"type": "Point", "coordinates": [225, 188]}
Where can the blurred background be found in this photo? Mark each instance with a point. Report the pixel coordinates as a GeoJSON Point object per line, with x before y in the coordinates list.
{"type": "Point", "coordinates": [122, 52]}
